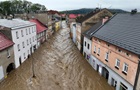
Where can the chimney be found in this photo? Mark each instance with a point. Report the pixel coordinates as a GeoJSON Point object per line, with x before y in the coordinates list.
{"type": "Point", "coordinates": [104, 20]}
{"type": "Point", "coordinates": [134, 11]}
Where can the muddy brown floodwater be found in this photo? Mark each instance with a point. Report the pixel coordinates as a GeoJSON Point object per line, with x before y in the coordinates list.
{"type": "Point", "coordinates": [58, 66]}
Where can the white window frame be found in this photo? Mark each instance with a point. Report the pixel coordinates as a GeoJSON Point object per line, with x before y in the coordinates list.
{"type": "Point", "coordinates": [125, 65]}
{"type": "Point", "coordinates": [117, 62]}
{"type": "Point", "coordinates": [98, 51]}
{"type": "Point", "coordinates": [107, 56]}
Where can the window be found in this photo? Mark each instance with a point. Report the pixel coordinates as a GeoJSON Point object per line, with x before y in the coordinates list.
{"type": "Point", "coordinates": [119, 50]}
{"type": "Point", "coordinates": [17, 34]}
{"type": "Point", "coordinates": [125, 68]}
{"type": "Point", "coordinates": [85, 43]}
{"type": "Point", "coordinates": [128, 54]}
{"type": "Point", "coordinates": [88, 46]}
{"type": "Point", "coordinates": [23, 45]}
{"type": "Point", "coordinates": [18, 46]}
{"type": "Point", "coordinates": [8, 54]}
{"type": "Point", "coordinates": [24, 55]}
{"type": "Point", "coordinates": [106, 56]}
{"type": "Point", "coordinates": [98, 51]}
{"type": "Point", "coordinates": [117, 65]}
{"type": "Point", "coordinates": [33, 38]}
{"type": "Point", "coordinates": [88, 57]}
{"type": "Point", "coordinates": [123, 87]}
{"type": "Point", "coordinates": [22, 33]}
{"type": "Point", "coordinates": [94, 49]}
{"type": "Point", "coordinates": [26, 32]}
{"type": "Point", "coordinates": [27, 42]}
{"type": "Point", "coordinates": [30, 40]}
{"type": "Point", "coordinates": [32, 30]}
{"type": "Point", "coordinates": [29, 31]}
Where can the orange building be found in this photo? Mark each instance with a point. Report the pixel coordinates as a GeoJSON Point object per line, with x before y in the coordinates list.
{"type": "Point", "coordinates": [115, 51]}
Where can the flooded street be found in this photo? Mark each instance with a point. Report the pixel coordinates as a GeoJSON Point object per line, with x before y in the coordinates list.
{"type": "Point", "coordinates": [58, 66]}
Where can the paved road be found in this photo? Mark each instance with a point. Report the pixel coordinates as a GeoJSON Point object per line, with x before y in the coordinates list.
{"type": "Point", "coordinates": [58, 66]}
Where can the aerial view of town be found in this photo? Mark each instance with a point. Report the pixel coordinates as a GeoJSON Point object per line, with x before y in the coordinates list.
{"type": "Point", "coordinates": [69, 45]}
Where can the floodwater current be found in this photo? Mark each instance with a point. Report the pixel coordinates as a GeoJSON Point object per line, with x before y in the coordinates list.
{"type": "Point", "coordinates": [58, 65]}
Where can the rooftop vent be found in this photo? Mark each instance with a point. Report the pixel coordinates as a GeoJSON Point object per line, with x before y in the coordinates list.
{"type": "Point", "coordinates": [134, 11]}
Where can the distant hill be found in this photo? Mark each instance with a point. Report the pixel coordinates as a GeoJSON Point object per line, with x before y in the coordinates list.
{"type": "Point", "coordinates": [87, 10]}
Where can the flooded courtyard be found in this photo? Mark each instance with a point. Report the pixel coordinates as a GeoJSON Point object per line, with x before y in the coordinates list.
{"type": "Point", "coordinates": [58, 65]}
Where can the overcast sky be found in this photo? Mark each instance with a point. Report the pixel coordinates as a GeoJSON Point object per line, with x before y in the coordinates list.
{"type": "Point", "coordinates": [77, 4]}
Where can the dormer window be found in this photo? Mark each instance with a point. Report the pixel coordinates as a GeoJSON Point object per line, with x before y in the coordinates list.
{"type": "Point", "coordinates": [127, 54]}
{"type": "Point", "coordinates": [119, 50]}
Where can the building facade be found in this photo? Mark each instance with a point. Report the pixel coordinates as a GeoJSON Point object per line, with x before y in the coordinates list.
{"type": "Point", "coordinates": [41, 31]}
{"type": "Point", "coordinates": [86, 22]}
{"type": "Point", "coordinates": [7, 63]}
{"type": "Point", "coordinates": [115, 51]}
{"type": "Point", "coordinates": [23, 34]}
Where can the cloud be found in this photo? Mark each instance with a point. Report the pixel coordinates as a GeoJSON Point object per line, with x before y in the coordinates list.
{"type": "Point", "coordinates": [76, 4]}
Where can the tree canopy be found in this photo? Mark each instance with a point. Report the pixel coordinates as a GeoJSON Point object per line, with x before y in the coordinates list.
{"type": "Point", "coordinates": [20, 6]}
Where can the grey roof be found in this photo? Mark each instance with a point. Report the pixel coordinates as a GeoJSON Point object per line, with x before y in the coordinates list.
{"type": "Point", "coordinates": [123, 30]}
{"type": "Point", "coordinates": [91, 31]}
{"type": "Point", "coordinates": [15, 23]}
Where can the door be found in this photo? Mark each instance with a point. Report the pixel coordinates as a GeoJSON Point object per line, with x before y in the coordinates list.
{"type": "Point", "coordinates": [1, 73]}
{"type": "Point", "coordinates": [97, 68]}
{"type": "Point", "coordinates": [105, 73]}
{"type": "Point", "coordinates": [20, 60]}
{"type": "Point", "coordinates": [113, 82]}
{"type": "Point", "coordinates": [31, 50]}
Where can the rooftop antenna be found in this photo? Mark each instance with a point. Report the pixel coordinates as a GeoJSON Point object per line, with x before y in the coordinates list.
{"type": "Point", "coordinates": [100, 7]}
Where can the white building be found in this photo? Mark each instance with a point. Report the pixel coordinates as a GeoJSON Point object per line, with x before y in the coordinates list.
{"type": "Point", "coordinates": [87, 48]}
{"type": "Point", "coordinates": [87, 44]}
{"type": "Point", "coordinates": [23, 34]}
{"type": "Point", "coordinates": [73, 31]}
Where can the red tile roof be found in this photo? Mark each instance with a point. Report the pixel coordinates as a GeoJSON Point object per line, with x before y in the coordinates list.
{"type": "Point", "coordinates": [72, 16]}
{"type": "Point", "coordinates": [4, 42]}
{"type": "Point", "coordinates": [40, 26]}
